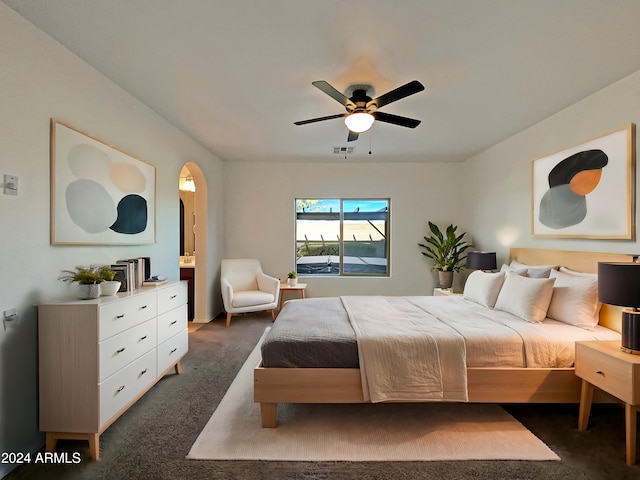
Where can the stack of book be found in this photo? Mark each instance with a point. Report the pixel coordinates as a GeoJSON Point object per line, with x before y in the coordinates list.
{"type": "Point", "coordinates": [132, 272]}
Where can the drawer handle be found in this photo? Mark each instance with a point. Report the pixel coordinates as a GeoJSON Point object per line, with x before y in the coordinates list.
{"type": "Point", "coordinates": [599, 372]}
{"type": "Point", "coordinates": [174, 322]}
{"type": "Point", "coordinates": [120, 316]}
{"type": "Point", "coordinates": [120, 350]}
{"type": "Point", "coordinates": [120, 389]}
{"type": "Point", "coordinates": [144, 371]}
{"type": "Point", "coordinates": [172, 351]}
{"type": "Point", "coordinates": [143, 307]}
{"type": "Point", "coordinates": [143, 338]}
{"type": "Point", "coordinates": [172, 297]}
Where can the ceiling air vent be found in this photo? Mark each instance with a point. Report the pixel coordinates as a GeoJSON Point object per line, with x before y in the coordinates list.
{"type": "Point", "coordinates": [343, 150]}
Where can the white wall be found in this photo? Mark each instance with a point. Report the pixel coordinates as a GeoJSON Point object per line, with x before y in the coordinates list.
{"type": "Point", "coordinates": [39, 80]}
{"type": "Point", "coordinates": [260, 215]}
{"type": "Point", "coordinates": [497, 181]}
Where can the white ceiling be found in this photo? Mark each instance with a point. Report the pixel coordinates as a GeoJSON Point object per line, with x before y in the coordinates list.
{"type": "Point", "coordinates": [236, 74]}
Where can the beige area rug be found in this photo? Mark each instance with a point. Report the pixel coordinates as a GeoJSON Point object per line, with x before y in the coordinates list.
{"type": "Point", "coordinates": [364, 432]}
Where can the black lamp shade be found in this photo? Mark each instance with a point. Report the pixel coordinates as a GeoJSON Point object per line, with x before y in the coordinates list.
{"type": "Point", "coordinates": [481, 260]}
{"type": "Point", "coordinates": [619, 284]}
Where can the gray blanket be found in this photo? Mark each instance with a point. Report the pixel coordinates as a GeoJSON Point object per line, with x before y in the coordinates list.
{"type": "Point", "coordinates": [316, 337]}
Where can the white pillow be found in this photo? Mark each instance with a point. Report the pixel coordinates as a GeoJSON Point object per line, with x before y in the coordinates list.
{"type": "Point", "coordinates": [524, 297]}
{"type": "Point", "coordinates": [578, 274]}
{"type": "Point", "coordinates": [518, 271]}
{"type": "Point", "coordinates": [534, 271]}
{"type": "Point", "coordinates": [575, 300]}
{"type": "Point", "coordinates": [483, 287]}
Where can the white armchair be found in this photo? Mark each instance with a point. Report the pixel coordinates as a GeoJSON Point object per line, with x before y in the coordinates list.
{"type": "Point", "coordinates": [245, 288]}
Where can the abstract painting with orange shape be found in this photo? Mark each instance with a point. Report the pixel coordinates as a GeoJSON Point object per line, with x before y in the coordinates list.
{"type": "Point", "coordinates": [586, 191]}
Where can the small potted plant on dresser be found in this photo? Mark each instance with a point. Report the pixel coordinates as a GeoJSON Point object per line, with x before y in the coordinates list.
{"type": "Point", "coordinates": [109, 286]}
{"type": "Point", "coordinates": [446, 252]}
{"type": "Point", "coordinates": [292, 279]}
{"type": "Point", "coordinates": [88, 278]}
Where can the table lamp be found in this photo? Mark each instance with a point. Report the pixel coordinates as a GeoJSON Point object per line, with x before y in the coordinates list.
{"type": "Point", "coordinates": [619, 284]}
{"type": "Point", "coordinates": [481, 260]}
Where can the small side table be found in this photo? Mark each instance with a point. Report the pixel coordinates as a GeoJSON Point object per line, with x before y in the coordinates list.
{"type": "Point", "coordinates": [603, 365]}
{"type": "Point", "coordinates": [300, 287]}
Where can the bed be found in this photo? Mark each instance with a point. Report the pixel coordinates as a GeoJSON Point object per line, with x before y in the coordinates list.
{"type": "Point", "coordinates": [508, 381]}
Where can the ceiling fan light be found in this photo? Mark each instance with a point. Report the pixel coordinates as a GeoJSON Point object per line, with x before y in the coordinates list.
{"type": "Point", "coordinates": [359, 122]}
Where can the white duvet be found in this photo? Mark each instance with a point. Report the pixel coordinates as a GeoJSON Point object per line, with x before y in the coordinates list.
{"type": "Point", "coordinates": [418, 348]}
{"type": "Point", "coordinates": [404, 353]}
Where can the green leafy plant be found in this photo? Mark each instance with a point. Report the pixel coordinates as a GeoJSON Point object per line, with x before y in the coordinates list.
{"type": "Point", "coordinates": [106, 273]}
{"type": "Point", "coordinates": [292, 275]}
{"type": "Point", "coordinates": [84, 275]}
{"type": "Point", "coordinates": [445, 249]}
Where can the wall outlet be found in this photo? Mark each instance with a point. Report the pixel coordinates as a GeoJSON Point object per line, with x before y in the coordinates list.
{"type": "Point", "coordinates": [11, 318]}
{"type": "Point", "coordinates": [10, 184]}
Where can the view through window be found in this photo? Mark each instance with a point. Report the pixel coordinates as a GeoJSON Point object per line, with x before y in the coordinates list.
{"type": "Point", "coordinates": [342, 236]}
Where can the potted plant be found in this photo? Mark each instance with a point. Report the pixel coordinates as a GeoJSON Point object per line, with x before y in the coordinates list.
{"type": "Point", "coordinates": [292, 279]}
{"type": "Point", "coordinates": [88, 278]}
{"type": "Point", "coordinates": [446, 252]}
{"type": "Point", "coordinates": [109, 286]}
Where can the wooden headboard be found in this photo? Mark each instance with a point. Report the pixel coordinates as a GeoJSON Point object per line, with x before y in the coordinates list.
{"type": "Point", "coordinates": [580, 261]}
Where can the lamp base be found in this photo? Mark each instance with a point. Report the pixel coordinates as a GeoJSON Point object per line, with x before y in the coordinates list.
{"type": "Point", "coordinates": [630, 331]}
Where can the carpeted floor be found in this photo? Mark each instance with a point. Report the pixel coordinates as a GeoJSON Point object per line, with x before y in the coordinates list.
{"type": "Point", "coordinates": [152, 439]}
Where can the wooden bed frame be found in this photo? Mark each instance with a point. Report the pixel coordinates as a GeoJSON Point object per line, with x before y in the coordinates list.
{"type": "Point", "coordinates": [485, 385]}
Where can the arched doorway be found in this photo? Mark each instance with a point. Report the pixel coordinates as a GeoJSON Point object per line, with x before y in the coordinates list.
{"type": "Point", "coordinates": [193, 238]}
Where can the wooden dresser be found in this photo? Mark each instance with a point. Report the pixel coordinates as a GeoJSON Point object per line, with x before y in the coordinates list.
{"type": "Point", "coordinates": [97, 357]}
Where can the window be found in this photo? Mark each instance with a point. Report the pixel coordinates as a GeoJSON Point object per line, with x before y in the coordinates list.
{"type": "Point", "coordinates": [342, 236]}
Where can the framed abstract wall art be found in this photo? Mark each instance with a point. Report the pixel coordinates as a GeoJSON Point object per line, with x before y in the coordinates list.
{"type": "Point", "coordinates": [100, 195]}
{"type": "Point", "coordinates": [586, 191]}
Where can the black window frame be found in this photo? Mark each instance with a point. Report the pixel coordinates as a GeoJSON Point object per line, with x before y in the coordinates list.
{"type": "Point", "coordinates": [344, 246]}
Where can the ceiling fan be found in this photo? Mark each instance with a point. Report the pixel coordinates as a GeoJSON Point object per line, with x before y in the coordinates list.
{"type": "Point", "coordinates": [362, 110]}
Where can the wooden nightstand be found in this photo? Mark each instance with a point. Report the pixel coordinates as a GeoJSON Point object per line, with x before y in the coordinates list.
{"type": "Point", "coordinates": [603, 365]}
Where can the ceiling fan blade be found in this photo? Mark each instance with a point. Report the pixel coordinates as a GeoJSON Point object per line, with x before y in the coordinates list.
{"type": "Point", "coordinates": [352, 136]}
{"type": "Point", "coordinates": [320, 119]}
{"type": "Point", "coordinates": [332, 92]}
{"type": "Point", "coordinates": [396, 119]}
{"type": "Point", "coordinates": [397, 94]}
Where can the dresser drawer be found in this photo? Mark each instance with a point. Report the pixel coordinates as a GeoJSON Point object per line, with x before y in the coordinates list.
{"type": "Point", "coordinates": [171, 323]}
{"type": "Point", "coordinates": [122, 387]}
{"type": "Point", "coordinates": [605, 372]}
{"type": "Point", "coordinates": [115, 317]}
{"type": "Point", "coordinates": [121, 349]}
{"type": "Point", "coordinates": [172, 350]}
{"type": "Point", "coordinates": [171, 297]}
